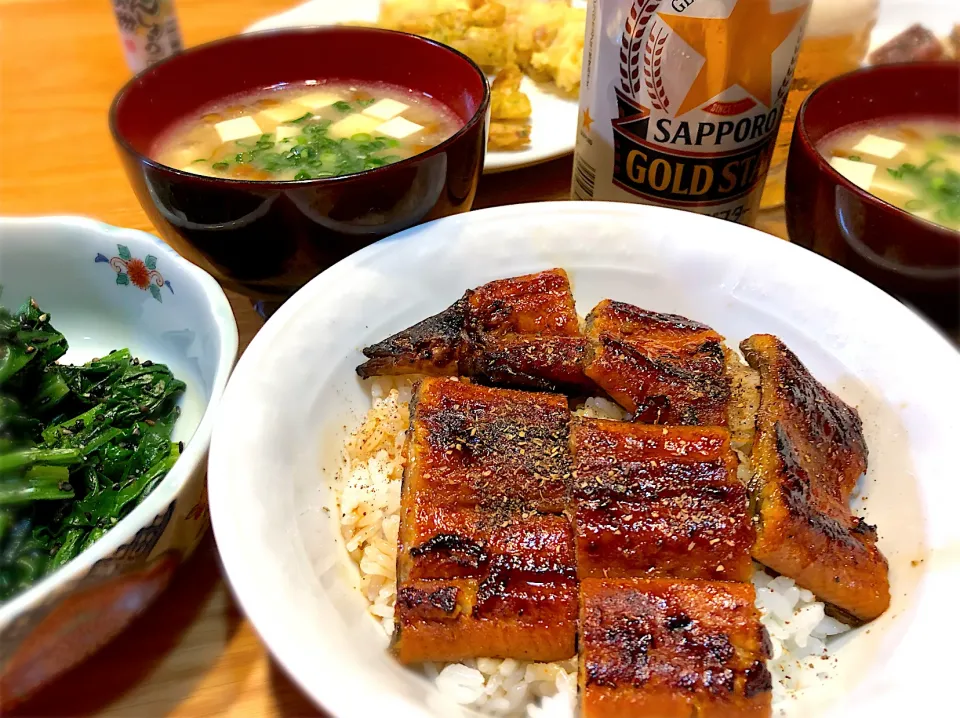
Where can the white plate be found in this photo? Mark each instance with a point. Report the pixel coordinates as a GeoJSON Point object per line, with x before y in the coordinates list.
{"type": "Point", "coordinates": [553, 124]}
{"type": "Point", "coordinates": [294, 396]}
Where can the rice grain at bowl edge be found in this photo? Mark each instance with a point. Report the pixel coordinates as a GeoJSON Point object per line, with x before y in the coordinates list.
{"type": "Point", "coordinates": [367, 491]}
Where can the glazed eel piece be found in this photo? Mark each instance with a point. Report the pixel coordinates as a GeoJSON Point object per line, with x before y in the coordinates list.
{"type": "Point", "coordinates": [669, 648]}
{"type": "Point", "coordinates": [524, 332]}
{"type": "Point", "coordinates": [485, 563]}
{"type": "Point", "coordinates": [521, 332]}
{"type": "Point", "coordinates": [808, 454]}
{"type": "Point", "coordinates": [657, 501]}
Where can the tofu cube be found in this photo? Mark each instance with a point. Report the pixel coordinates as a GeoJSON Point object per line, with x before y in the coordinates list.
{"type": "Point", "coordinates": [182, 158]}
{"type": "Point", "coordinates": [879, 147]}
{"type": "Point", "coordinates": [285, 113]}
{"type": "Point", "coordinates": [284, 132]}
{"type": "Point", "coordinates": [399, 128]}
{"type": "Point", "coordinates": [385, 109]}
{"type": "Point", "coordinates": [317, 100]}
{"type": "Point", "coordinates": [237, 129]}
{"type": "Point", "coordinates": [860, 173]}
{"type": "Point", "coordinates": [887, 188]}
{"type": "Point", "coordinates": [352, 125]}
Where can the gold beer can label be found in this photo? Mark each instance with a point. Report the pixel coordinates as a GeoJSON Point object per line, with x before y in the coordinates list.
{"type": "Point", "coordinates": [680, 101]}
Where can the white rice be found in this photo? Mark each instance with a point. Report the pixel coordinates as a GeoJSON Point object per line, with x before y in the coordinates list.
{"type": "Point", "coordinates": [368, 493]}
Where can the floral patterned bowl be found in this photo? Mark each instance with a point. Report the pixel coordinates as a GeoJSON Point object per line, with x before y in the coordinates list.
{"type": "Point", "coordinates": [108, 288]}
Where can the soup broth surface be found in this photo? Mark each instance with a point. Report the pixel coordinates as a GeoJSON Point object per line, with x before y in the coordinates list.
{"type": "Point", "coordinates": [306, 132]}
{"type": "Point", "coordinates": [912, 164]}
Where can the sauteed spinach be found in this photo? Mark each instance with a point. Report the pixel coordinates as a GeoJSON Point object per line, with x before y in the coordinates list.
{"type": "Point", "coordinates": [80, 446]}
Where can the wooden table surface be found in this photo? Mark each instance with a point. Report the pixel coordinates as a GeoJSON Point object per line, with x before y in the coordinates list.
{"type": "Point", "coordinates": [192, 653]}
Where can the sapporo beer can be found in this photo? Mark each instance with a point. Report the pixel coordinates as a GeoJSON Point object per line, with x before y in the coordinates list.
{"type": "Point", "coordinates": [148, 31]}
{"type": "Point", "coordinates": [680, 101]}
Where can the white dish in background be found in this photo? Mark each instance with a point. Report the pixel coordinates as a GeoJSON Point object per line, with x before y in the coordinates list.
{"type": "Point", "coordinates": [164, 309]}
{"type": "Point", "coordinates": [295, 396]}
{"type": "Point", "coordinates": [553, 123]}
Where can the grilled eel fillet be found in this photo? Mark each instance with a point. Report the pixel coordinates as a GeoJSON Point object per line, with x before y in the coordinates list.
{"type": "Point", "coordinates": [485, 563]}
{"type": "Point", "coordinates": [655, 501]}
{"type": "Point", "coordinates": [807, 458]}
{"type": "Point", "coordinates": [663, 368]}
{"type": "Point", "coordinates": [521, 331]}
{"type": "Point", "coordinates": [666, 648]}
{"type": "Point", "coordinates": [524, 332]}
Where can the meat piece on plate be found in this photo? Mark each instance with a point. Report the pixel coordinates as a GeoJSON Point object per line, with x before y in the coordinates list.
{"type": "Point", "coordinates": [915, 44]}
{"type": "Point", "coordinates": [473, 445]}
{"type": "Point", "coordinates": [664, 648]}
{"type": "Point", "coordinates": [452, 620]}
{"type": "Point", "coordinates": [663, 368]}
{"type": "Point", "coordinates": [658, 501]}
{"type": "Point", "coordinates": [808, 455]}
{"type": "Point", "coordinates": [539, 303]}
{"type": "Point", "coordinates": [485, 561]}
{"type": "Point", "coordinates": [530, 361]}
{"type": "Point", "coordinates": [520, 600]}
{"type": "Point", "coordinates": [522, 331]}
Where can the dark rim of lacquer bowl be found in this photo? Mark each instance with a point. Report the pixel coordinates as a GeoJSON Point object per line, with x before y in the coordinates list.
{"type": "Point", "coordinates": [844, 89]}
{"type": "Point", "coordinates": [364, 36]}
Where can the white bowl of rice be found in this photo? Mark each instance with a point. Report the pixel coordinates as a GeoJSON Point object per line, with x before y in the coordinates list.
{"type": "Point", "coordinates": [306, 459]}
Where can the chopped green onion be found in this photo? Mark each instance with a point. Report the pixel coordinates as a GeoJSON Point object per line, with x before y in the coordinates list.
{"type": "Point", "coordinates": [302, 175]}
{"type": "Point", "coordinates": [342, 106]}
{"type": "Point", "coordinates": [855, 158]}
{"type": "Point", "coordinates": [220, 165]}
{"type": "Point", "coordinates": [303, 118]}
{"type": "Point", "coordinates": [366, 103]}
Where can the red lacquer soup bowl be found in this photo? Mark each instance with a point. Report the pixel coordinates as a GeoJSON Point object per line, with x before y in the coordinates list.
{"type": "Point", "coordinates": [915, 260]}
{"type": "Point", "coordinates": [266, 239]}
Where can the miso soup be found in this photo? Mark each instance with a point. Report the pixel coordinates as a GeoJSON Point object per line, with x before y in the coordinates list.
{"type": "Point", "coordinates": [306, 132]}
{"type": "Point", "coordinates": [912, 164]}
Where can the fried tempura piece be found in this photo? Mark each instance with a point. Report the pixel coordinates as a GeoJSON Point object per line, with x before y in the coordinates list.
{"type": "Point", "coordinates": [510, 111]}
{"type": "Point", "coordinates": [506, 100]}
{"type": "Point", "coordinates": [476, 28]}
{"type": "Point", "coordinates": [549, 41]}
{"type": "Point", "coordinates": [508, 135]}
{"type": "Point", "coordinates": [808, 454]}
{"type": "Point", "coordinates": [662, 648]}
{"type": "Point", "coordinates": [544, 38]}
